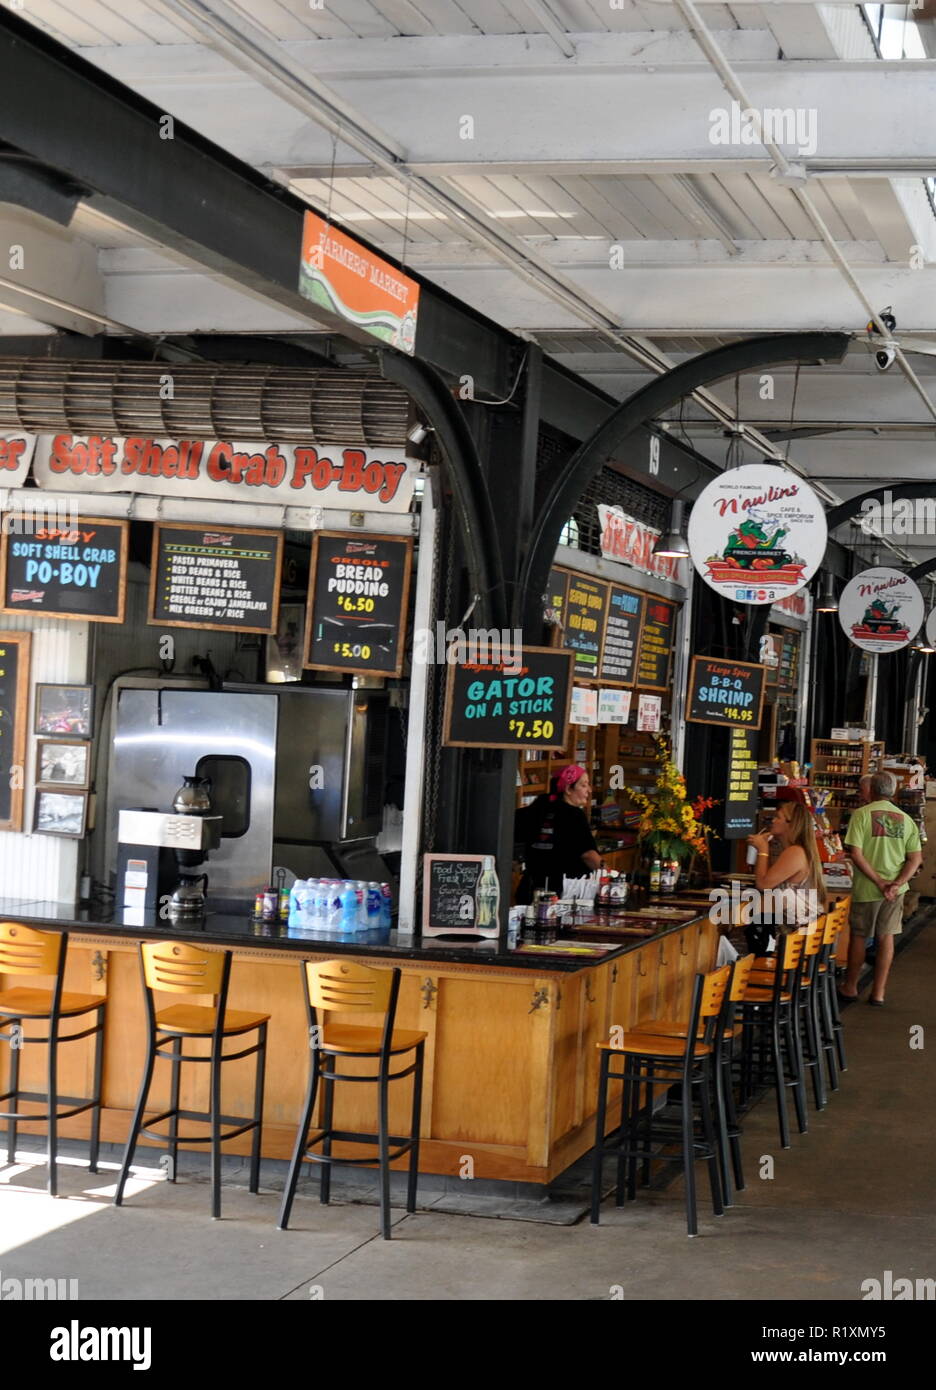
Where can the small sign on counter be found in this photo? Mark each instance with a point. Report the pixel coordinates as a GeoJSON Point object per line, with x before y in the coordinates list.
{"type": "Point", "coordinates": [216, 577]}
{"type": "Point", "coordinates": [450, 894]}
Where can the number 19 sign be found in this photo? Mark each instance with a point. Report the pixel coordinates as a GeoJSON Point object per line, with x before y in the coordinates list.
{"type": "Point", "coordinates": [518, 703]}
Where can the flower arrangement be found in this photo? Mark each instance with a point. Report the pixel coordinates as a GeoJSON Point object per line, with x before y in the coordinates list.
{"type": "Point", "coordinates": [670, 826]}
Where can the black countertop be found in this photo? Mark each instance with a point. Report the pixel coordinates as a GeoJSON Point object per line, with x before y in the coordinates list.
{"type": "Point", "coordinates": [223, 926]}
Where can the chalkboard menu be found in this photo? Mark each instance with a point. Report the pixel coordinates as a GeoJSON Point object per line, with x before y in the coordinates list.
{"type": "Point", "coordinates": [586, 606]}
{"type": "Point", "coordinates": [450, 885]}
{"type": "Point", "coordinates": [215, 577]}
{"type": "Point", "coordinates": [656, 644]}
{"type": "Point", "coordinates": [14, 692]}
{"type": "Point", "coordinates": [556, 596]}
{"type": "Point", "coordinates": [725, 692]}
{"type": "Point", "coordinates": [67, 570]}
{"type": "Point", "coordinates": [358, 592]}
{"type": "Point", "coordinates": [742, 796]}
{"type": "Point", "coordinates": [622, 634]}
{"type": "Point", "coordinates": [520, 702]}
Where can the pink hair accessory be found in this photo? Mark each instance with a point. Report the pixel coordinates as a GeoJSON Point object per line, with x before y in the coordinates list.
{"type": "Point", "coordinates": [567, 778]}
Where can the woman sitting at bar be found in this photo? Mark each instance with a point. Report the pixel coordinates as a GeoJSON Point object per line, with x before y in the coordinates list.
{"type": "Point", "coordinates": [794, 878]}
{"type": "Point", "coordinates": [557, 835]}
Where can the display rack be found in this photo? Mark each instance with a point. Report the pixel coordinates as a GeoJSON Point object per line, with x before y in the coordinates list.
{"type": "Point", "coordinates": [838, 766]}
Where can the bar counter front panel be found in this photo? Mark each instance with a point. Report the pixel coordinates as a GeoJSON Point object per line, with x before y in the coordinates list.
{"type": "Point", "coordinates": [511, 1058]}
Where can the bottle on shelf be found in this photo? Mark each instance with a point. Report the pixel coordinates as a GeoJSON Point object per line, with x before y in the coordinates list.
{"type": "Point", "coordinates": [656, 872]}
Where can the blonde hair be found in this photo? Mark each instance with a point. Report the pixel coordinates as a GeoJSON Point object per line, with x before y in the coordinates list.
{"type": "Point", "coordinates": [803, 833]}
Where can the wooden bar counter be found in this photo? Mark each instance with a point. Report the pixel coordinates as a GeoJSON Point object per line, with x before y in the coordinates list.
{"type": "Point", "coordinates": [511, 1061]}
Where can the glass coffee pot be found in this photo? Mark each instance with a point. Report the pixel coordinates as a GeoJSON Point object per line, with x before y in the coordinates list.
{"type": "Point", "coordinates": [193, 797]}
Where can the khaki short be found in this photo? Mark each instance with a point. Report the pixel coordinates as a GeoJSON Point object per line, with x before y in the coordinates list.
{"type": "Point", "coordinates": [879, 918]}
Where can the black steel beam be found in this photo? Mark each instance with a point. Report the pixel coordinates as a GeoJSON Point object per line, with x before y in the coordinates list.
{"type": "Point", "coordinates": [644, 404]}
{"type": "Point", "coordinates": [887, 492]}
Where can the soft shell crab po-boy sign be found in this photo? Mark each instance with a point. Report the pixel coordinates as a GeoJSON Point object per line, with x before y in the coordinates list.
{"type": "Point", "coordinates": [757, 534]}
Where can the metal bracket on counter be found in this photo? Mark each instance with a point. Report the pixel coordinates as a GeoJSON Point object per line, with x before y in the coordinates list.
{"type": "Point", "coordinates": [428, 990]}
{"type": "Point", "coordinates": [540, 997]}
{"type": "Point", "coordinates": [99, 965]}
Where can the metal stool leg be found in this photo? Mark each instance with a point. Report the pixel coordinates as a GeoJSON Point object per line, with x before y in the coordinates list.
{"type": "Point", "coordinates": [328, 1110]}
{"type": "Point", "coordinates": [721, 1118]}
{"type": "Point", "coordinates": [215, 1069]}
{"type": "Point", "coordinates": [795, 1051]}
{"type": "Point", "coordinates": [648, 1126]}
{"type": "Point", "coordinates": [137, 1122]}
{"type": "Point", "coordinates": [96, 1091]}
{"type": "Point", "coordinates": [688, 1146]}
{"type": "Point", "coordinates": [16, 1039]}
{"type": "Point", "coordinates": [711, 1142]}
{"type": "Point", "coordinates": [53, 1109]}
{"type": "Point", "coordinates": [260, 1059]}
{"type": "Point", "coordinates": [383, 1148]}
{"type": "Point", "coordinates": [414, 1131]}
{"type": "Point", "coordinates": [176, 1077]}
{"type": "Point", "coordinates": [780, 1082]}
{"type": "Point", "coordinates": [600, 1119]}
{"type": "Point", "coordinates": [289, 1191]}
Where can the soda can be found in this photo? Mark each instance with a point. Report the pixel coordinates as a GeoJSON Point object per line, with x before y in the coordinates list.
{"type": "Point", "coordinates": [270, 904]}
{"type": "Point", "coordinates": [284, 903]}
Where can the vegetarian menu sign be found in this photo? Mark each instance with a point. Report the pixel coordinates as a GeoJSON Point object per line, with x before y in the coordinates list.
{"type": "Point", "coordinates": [358, 594]}
{"type": "Point", "coordinates": [218, 577]}
{"type": "Point", "coordinates": [725, 692]}
{"type": "Point", "coordinates": [520, 702]}
{"type": "Point", "coordinates": [68, 570]}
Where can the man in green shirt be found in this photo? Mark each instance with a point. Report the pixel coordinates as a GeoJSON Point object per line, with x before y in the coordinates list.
{"type": "Point", "coordinates": [884, 845]}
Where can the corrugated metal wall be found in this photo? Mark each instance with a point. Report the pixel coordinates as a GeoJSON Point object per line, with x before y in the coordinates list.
{"type": "Point", "coordinates": [849, 33]}
{"type": "Point", "coordinates": [43, 866]}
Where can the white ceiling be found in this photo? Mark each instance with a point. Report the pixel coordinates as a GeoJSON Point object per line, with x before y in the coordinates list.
{"type": "Point", "coordinates": [553, 164]}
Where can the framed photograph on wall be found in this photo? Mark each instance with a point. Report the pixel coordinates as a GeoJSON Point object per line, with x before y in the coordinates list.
{"type": "Point", "coordinates": [63, 764]}
{"type": "Point", "coordinates": [60, 813]}
{"type": "Point", "coordinates": [65, 709]}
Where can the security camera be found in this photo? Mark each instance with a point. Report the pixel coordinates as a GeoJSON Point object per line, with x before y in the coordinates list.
{"type": "Point", "coordinates": [884, 358]}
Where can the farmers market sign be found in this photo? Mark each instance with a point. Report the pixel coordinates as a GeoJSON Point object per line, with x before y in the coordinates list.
{"type": "Point", "coordinates": [757, 534]}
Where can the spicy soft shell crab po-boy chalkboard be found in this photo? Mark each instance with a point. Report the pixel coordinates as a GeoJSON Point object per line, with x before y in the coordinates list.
{"type": "Point", "coordinates": [65, 570]}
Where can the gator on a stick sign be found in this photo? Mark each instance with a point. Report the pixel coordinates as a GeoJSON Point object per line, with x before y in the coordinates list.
{"type": "Point", "coordinates": [757, 533]}
{"type": "Point", "coordinates": [349, 280]}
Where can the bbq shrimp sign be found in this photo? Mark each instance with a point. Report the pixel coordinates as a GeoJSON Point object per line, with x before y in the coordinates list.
{"type": "Point", "coordinates": [881, 610]}
{"type": "Point", "coordinates": [757, 534]}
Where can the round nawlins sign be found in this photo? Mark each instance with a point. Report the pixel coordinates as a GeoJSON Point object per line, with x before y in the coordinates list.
{"type": "Point", "coordinates": [757, 533]}
{"type": "Point", "coordinates": [881, 610]}
{"type": "Point", "coordinates": [931, 629]}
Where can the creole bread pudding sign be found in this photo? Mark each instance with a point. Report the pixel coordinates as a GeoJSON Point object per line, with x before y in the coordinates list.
{"type": "Point", "coordinates": [881, 610]}
{"type": "Point", "coordinates": [757, 533]}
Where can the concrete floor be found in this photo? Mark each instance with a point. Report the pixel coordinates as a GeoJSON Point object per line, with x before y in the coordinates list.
{"type": "Point", "coordinates": [852, 1198]}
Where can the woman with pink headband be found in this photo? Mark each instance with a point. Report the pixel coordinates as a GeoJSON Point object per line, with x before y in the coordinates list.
{"type": "Point", "coordinates": [556, 834]}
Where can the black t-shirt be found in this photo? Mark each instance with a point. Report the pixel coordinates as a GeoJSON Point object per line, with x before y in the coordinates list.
{"type": "Point", "coordinates": [556, 835]}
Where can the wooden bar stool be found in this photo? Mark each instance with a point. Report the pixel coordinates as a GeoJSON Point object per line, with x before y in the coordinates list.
{"type": "Point", "coordinates": [840, 914]}
{"type": "Point", "coordinates": [344, 986]}
{"type": "Point", "coordinates": [652, 1058]}
{"type": "Point", "coordinates": [729, 1129]}
{"type": "Point", "coordinates": [173, 967]}
{"type": "Point", "coordinates": [26, 951]}
{"type": "Point", "coordinates": [770, 1011]}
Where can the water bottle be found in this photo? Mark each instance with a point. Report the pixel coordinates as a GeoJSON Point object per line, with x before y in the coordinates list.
{"type": "Point", "coordinates": [322, 910]}
{"type": "Point", "coordinates": [386, 906]}
{"type": "Point", "coordinates": [336, 886]}
{"type": "Point", "coordinates": [294, 919]}
{"type": "Point", "coordinates": [349, 907]}
{"type": "Point", "coordinates": [313, 907]}
{"type": "Point", "coordinates": [374, 907]}
{"type": "Point", "coordinates": [360, 888]}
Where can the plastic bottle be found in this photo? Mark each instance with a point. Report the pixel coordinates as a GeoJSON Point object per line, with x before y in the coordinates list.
{"type": "Point", "coordinates": [603, 896]}
{"type": "Point", "coordinates": [386, 907]}
{"type": "Point", "coordinates": [374, 906]}
{"type": "Point", "coordinates": [487, 901]}
{"type": "Point", "coordinates": [295, 913]}
{"type": "Point", "coordinates": [348, 898]}
{"type": "Point", "coordinates": [656, 870]}
{"type": "Point", "coordinates": [360, 888]}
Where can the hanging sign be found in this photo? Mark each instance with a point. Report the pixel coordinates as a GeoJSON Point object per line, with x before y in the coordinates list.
{"type": "Point", "coordinates": [14, 716]}
{"type": "Point", "coordinates": [520, 703]}
{"type": "Point", "coordinates": [288, 475]}
{"type": "Point", "coordinates": [349, 280]}
{"type": "Point", "coordinates": [881, 610]}
{"type": "Point", "coordinates": [725, 692]}
{"type": "Point", "coordinates": [216, 577]}
{"type": "Point", "coordinates": [631, 543]}
{"type": "Point", "coordinates": [742, 797]}
{"type": "Point", "coordinates": [66, 570]}
{"type": "Point", "coordinates": [649, 708]}
{"type": "Point", "coordinates": [358, 593]}
{"type": "Point", "coordinates": [757, 533]}
{"type": "Point", "coordinates": [585, 610]}
{"type": "Point", "coordinates": [622, 632]}
{"type": "Point", "coordinates": [584, 706]}
{"type": "Point", "coordinates": [614, 706]}
{"type": "Point", "coordinates": [16, 453]}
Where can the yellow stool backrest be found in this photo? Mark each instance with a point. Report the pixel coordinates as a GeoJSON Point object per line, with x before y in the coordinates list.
{"type": "Point", "coordinates": [713, 991]}
{"type": "Point", "coordinates": [739, 982]}
{"type": "Point", "coordinates": [792, 949]}
{"type": "Point", "coordinates": [177, 968]}
{"type": "Point", "coordinates": [812, 937]}
{"type": "Point", "coordinates": [26, 951]}
{"type": "Point", "coordinates": [344, 986]}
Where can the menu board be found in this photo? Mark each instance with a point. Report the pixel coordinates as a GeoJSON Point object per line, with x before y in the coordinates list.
{"type": "Point", "coordinates": [622, 634]}
{"type": "Point", "coordinates": [14, 692]}
{"type": "Point", "coordinates": [358, 592]}
{"type": "Point", "coordinates": [450, 885]}
{"type": "Point", "coordinates": [586, 607]}
{"type": "Point", "coordinates": [742, 796]}
{"type": "Point", "coordinates": [556, 596]}
{"type": "Point", "coordinates": [215, 577]}
{"type": "Point", "coordinates": [656, 644]}
{"type": "Point", "coordinates": [517, 704]}
{"type": "Point", "coordinates": [73, 570]}
{"type": "Point", "coordinates": [725, 692]}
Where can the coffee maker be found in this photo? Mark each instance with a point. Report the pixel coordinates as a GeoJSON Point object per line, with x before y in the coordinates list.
{"type": "Point", "coordinates": [156, 853]}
